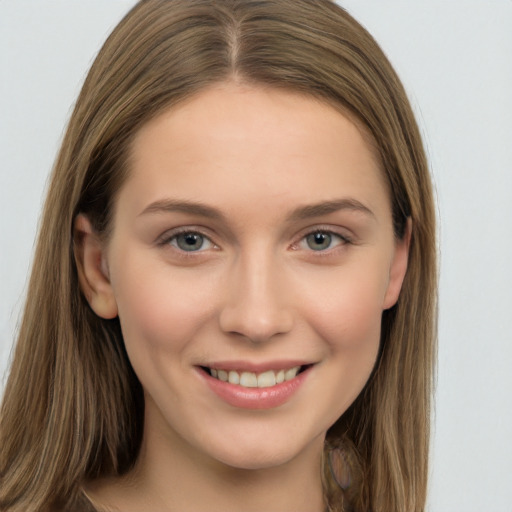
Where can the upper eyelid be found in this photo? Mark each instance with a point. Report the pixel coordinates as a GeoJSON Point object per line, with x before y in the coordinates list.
{"type": "Point", "coordinates": [166, 239]}
{"type": "Point", "coordinates": [329, 232]}
{"type": "Point", "coordinates": [343, 240]}
{"type": "Point", "coordinates": [343, 233]}
{"type": "Point", "coordinates": [171, 233]}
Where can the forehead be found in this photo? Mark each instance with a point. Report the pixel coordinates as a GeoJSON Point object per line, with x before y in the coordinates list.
{"type": "Point", "coordinates": [234, 144]}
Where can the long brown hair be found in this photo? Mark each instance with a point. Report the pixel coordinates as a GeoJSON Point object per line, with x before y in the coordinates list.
{"type": "Point", "coordinates": [73, 407]}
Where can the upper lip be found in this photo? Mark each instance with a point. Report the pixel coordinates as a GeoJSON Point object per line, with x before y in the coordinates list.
{"type": "Point", "coordinates": [248, 366]}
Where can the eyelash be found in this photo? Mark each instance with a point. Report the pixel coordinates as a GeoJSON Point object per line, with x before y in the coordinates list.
{"type": "Point", "coordinates": [167, 239]}
{"type": "Point", "coordinates": [342, 240]}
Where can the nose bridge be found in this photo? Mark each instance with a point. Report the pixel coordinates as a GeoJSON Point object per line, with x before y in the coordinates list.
{"type": "Point", "coordinates": [257, 303]}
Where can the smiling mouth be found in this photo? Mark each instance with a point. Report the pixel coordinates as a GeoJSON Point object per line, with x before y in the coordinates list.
{"type": "Point", "coordinates": [264, 379]}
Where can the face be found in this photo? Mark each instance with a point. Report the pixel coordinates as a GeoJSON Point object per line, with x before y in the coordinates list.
{"type": "Point", "coordinates": [252, 242]}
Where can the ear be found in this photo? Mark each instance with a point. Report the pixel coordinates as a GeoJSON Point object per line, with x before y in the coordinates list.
{"type": "Point", "coordinates": [91, 264]}
{"type": "Point", "coordinates": [398, 267]}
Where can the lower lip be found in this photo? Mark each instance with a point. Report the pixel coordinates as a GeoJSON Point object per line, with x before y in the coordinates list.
{"type": "Point", "coordinates": [255, 398]}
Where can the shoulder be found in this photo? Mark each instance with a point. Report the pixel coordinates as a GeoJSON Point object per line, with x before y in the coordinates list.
{"type": "Point", "coordinates": [79, 504]}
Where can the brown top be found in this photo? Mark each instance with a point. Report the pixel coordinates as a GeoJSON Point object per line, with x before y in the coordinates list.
{"type": "Point", "coordinates": [83, 504]}
{"type": "Point", "coordinates": [80, 504]}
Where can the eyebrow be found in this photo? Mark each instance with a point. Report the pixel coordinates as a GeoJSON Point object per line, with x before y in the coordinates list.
{"type": "Point", "coordinates": [300, 213]}
{"type": "Point", "coordinates": [190, 207]}
{"type": "Point", "coordinates": [328, 207]}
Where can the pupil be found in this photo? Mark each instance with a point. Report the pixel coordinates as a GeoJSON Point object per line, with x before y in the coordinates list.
{"type": "Point", "coordinates": [190, 241]}
{"type": "Point", "coordinates": [319, 241]}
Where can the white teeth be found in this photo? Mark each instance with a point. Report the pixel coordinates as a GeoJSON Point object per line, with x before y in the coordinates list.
{"type": "Point", "coordinates": [252, 380]}
{"type": "Point", "coordinates": [248, 380]}
{"type": "Point", "coordinates": [234, 378]}
{"type": "Point", "coordinates": [291, 373]}
{"type": "Point", "coordinates": [266, 379]}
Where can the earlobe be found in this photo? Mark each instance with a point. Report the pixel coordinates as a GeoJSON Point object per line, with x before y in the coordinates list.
{"type": "Point", "coordinates": [398, 267]}
{"type": "Point", "coordinates": [92, 269]}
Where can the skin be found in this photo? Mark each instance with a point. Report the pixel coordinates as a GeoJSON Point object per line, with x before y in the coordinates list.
{"type": "Point", "coordinates": [257, 290]}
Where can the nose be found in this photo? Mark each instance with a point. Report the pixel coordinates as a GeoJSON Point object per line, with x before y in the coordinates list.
{"type": "Point", "coordinates": [256, 305]}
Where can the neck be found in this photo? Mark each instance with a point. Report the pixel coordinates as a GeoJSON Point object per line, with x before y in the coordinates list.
{"type": "Point", "coordinates": [172, 477]}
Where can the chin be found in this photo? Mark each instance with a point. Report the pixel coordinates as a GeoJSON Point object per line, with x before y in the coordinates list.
{"type": "Point", "coordinates": [270, 453]}
{"type": "Point", "coordinates": [255, 460]}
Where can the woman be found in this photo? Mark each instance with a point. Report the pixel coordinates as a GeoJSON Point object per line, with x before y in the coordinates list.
{"type": "Point", "coordinates": [234, 301]}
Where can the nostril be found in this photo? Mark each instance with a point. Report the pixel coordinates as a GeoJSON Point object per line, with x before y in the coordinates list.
{"type": "Point", "coordinates": [256, 306]}
{"type": "Point", "coordinates": [256, 325]}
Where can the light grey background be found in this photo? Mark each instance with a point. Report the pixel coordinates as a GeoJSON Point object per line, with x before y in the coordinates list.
{"type": "Point", "coordinates": [455, 59]}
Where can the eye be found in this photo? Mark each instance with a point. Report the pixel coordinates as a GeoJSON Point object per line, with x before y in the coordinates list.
{"type": "Point", "coordinates": [323, 240]}
{"type": "Point", "coordinates": [190, 241]}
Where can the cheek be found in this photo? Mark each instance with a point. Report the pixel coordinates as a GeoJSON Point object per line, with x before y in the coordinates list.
{"type": "Point", "coordinates": [347, 310]}
{"type": "Point", "coordinates": [347, 318]}
{"type": "Point", "coordinates": [345, 314]}
{"type": "Point", "coordinates": [160, 311]}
